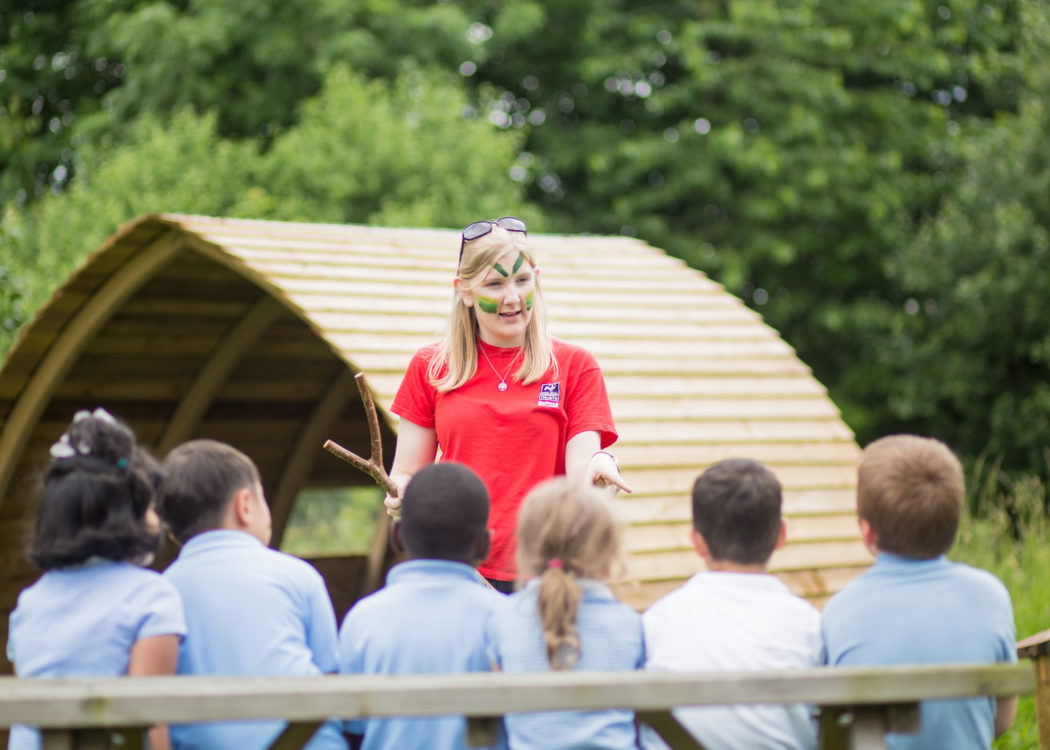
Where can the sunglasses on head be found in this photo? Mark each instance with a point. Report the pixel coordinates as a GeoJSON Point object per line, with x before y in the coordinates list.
{"type": "Point", "coordinates": [481, 228]}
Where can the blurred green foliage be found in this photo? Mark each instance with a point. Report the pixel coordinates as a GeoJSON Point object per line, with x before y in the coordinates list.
{"type": "Point", "coordinates": [867, 174]}
{"type": "Point", "coordinates": [340, 521]}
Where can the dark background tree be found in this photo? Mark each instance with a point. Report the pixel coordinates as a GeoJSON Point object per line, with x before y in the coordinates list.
{"type": "Point", "coordinates": [866, 174]}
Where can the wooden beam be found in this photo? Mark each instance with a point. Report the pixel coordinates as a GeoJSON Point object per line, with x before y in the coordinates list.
{"type": "Point", "coordinates": [307, 448]}
{"type": "Point", "coordinates": [70, 342]}
{"type": "Point", "coordinates": [295, 735]}
{"type": "Point", "coordinates": [671, 731]}
{"type": "Point", "coordinates": [125, 701]}
{"type": "Point", "coordinates": [224, 357]}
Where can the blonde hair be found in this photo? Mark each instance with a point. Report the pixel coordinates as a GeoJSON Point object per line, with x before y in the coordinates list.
{"type": "Point", "coordinates": [456, 359]}
{"type": "Point", "coordinates": [910, 489]}
{"type": "Point", "coordinates": [566, 531]}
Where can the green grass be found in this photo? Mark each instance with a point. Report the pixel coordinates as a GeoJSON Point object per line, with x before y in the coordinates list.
{"type": "Point", "coordinates": [338, 521]}
{"type": "Point", "coordinates": [1011, 539]}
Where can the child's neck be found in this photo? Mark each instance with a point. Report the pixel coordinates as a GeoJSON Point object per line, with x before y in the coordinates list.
{"type": "Point", "coordinates": [728, 566]}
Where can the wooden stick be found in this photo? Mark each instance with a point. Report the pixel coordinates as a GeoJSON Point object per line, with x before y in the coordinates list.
{"type": "Point", "coordinates": [374, 465]}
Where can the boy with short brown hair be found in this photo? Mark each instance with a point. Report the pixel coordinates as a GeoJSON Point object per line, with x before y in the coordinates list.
{"type": "Point", "coordinates": [914, 606]}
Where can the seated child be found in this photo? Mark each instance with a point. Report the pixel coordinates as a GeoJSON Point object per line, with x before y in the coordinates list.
{"type": "Point", "coordinates": [430, 617]}
{"type": "Point", "coordinates": [250, 610]}
{"type": "Point", "coordinates": [914, 606]}
{"type": "Point", "coordinates": [95, 612]}
{"type": "Point", "coordinates": [735, 615]}
{"type": "Point", "coordinates": [566, 617]}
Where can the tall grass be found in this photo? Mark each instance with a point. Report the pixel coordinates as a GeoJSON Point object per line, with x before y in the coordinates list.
{"type": "Point", "coordinates": [1009, 535]}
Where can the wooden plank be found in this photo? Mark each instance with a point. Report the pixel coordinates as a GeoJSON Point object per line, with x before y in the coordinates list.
{"type": "Point", "coordinates": [669, 480]}
{"type": "Point", "coordinates": [198, 395]}
{"type": "Point", "coordinates": [295, 735]}
{"type": "Point", "coordinates": [131, 701]}
{"type": "Point", "coordinates": [670, 730]}
{"type": "Point", "coordinates": [671, 408]}
{"type": "Point", "coordinates": [656, 536]}
{"type": "Point", "coordinates": [70, 342]}
{"type": "Point", "coordinates": [702, 455]}
{"type": "Point", "coordinates": [682, 561]}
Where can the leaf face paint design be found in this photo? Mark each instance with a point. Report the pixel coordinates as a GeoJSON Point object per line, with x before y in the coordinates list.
{"type": "Point", "coordinates": [528, 300]}
{"type": "Point", "coordinates": [500, 270]}
{"type": "Point", "coordinates": [518, 262]}
{"type": "Point", "coordinates": [489, 305]}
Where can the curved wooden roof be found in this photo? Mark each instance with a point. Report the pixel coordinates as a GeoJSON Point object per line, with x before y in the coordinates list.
{"type": "Point", "coordinates": [250, 332]}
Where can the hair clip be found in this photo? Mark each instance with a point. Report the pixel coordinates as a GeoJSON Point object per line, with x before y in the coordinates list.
{"type": "Point", "coordinates": [555, 562]}
{"type": "Point", "coordinates": [61, 448]}
{"type": "Point", "coordinates": [122, 463]}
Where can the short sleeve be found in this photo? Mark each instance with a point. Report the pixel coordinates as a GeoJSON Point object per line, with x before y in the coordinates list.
{"type": "Point", "coordinates": [416, 398]}
{"type": "Point", "coordinates": [321, 633]}
{"type": "Point", "coordinates": [161, 610]}
{"type": "Point", "coordinates": [588, 406]}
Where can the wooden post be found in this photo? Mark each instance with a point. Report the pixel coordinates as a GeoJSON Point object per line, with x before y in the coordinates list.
{"type": "Point", "coordinates": [1037, 648]}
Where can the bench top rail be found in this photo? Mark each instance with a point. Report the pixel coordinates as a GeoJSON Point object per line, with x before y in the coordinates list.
{"type": "Point", "coordinates": [117, 702]}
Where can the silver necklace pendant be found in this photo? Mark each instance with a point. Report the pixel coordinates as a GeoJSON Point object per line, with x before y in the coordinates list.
{"type": "Point", "coordinates": [503, 386]}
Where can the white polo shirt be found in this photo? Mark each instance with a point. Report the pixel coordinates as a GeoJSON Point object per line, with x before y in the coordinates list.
{"type": "Point", "coordinates": [738, 622]}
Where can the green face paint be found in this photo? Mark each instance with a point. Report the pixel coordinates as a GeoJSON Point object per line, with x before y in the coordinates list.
{"type": "Point", "coordinates": [528, 300]}
{"type": "Point", "coordinates": [500, 270]}
{"type": "Point", "coordinates": [518, 262]}
{"type": "Point", "coordinates": [492, 305]}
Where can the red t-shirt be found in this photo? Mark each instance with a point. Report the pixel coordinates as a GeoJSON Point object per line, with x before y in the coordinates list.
{"type": "Point", "coordinates": [513, 439]}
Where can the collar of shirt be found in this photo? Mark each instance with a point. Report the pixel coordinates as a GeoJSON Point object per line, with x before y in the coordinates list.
{"type": "Point", "coordinates": [218, 538]}
{"type": "Point", "coordinates": [890, 560]}
{"type": "Point", "coordinates": [425, 569]}
{"type": "Point", "coordinates": [738, 581]}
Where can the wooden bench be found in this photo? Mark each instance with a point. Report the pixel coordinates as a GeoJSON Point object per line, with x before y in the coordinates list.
{"type": "Point", "coordinates": [857, 705]}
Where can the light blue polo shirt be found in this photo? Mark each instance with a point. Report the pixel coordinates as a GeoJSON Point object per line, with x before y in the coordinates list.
{"type": "Point", "coordinates": [428, 619]}
{"type": "Point", "coordinates": [82, 621]}
{"type": "Point", "coordinates": [908, 611]}
{"type": "Point", "coordinates": [611, 640]}
{"type": "Point", "coordinates": [250, 610]}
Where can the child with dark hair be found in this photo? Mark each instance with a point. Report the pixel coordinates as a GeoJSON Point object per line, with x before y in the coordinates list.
{"type": "Point", "coordinates": [430, 616]}
{"type": "Point", "coordinates": [566, 617]}
{"type": "Point", "coordinates": [251, 610]}
{"type": "Point", "coordinates": [735, 615]}
{"type": "Point", "coordinates": [914, 606]}
{"type": "Point", "coordinates": [95, 612]}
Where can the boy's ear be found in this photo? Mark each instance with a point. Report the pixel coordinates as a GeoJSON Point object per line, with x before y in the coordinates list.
{"type": "Point", "coordinates": [482, 546]}
{"type": "Point", "coordinates": [243, 506]}
{"type": "Point", "coordinates": [395, 538]}
{"type": "Point", "coordinates": [868, 535]}
{"type": "Point", "coordinates": [699, 544]}
{"type": "Point", "coordinates": [782, 536]}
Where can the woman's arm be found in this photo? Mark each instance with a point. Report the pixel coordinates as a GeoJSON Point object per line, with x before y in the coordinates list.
{"type": "Point", "coordinates": [416, 448]}
{"type": "Point", "coordinates": [158, 655]}
{"type": "Point", "coordinates": [585, 460]}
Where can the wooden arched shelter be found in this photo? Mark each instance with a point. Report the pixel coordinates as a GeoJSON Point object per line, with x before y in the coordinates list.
{"type": "Point", "coordinates": [250, 332]}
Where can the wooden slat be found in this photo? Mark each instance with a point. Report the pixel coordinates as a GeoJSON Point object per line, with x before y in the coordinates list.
{"type": "Point", "coordinates": [683, 562]}
{"type": "Point", "coordinates": [658, 536]}
{"type": "Point", "coordinates": [632, 453]}
{"type": "Point", "coordinates": [128, 701]}
{"type": "Point", "coordinates": [198, 394]}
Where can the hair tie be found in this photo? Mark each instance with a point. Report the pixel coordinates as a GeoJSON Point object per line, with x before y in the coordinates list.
{"type": "Point", "coordinates": [555, 562]}
{"type": "Point", "coordinates": [122, 463]}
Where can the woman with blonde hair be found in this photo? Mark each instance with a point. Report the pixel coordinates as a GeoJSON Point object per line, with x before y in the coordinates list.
{"type": "Point", "coordinates": [499, 394]}
{"type": "Point", "coordinates": [566, 617]}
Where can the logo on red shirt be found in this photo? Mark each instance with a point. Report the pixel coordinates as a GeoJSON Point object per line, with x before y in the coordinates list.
{"type": "Point", "coordinates": [550, 394]}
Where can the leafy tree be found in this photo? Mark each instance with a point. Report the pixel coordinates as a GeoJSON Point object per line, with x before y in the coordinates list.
{"type": "Point", "coordinates": [971, 358]}
{"type": "Point", "coordinates": [407, 154]}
